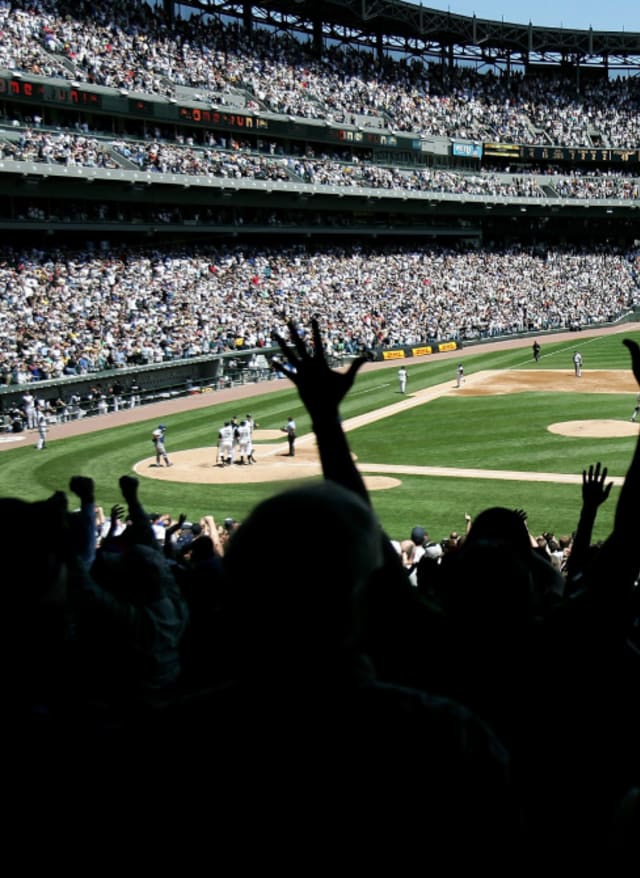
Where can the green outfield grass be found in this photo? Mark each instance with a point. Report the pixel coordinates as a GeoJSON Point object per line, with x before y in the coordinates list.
{"type": "Point", "coordinates": [492, 432]}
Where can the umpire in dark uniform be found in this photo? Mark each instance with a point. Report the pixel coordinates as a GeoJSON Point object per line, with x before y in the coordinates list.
{"type": "Point", "coordinates": [290, 430]}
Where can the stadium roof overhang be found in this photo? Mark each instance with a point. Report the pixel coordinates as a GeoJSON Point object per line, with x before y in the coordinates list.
{"type": "Point", "coordinates": [408, 27]}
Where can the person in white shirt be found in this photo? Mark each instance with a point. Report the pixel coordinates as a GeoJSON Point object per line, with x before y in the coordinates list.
{"type": "Point", "coordinates": [30, 412]}
{"type": "Point", "coordinates": [577, 364]}
{"type": "Point", "coordinates": [41, 423]}
{"type": "Point", "coordinates": [402, 379]}
{"type": "Point", "coordinates": [244, 441]}
{"type": "Point", "coordinates": [225, 444]}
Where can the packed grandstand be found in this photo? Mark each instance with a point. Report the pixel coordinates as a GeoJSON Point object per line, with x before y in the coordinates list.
{"type": "Point", "coordinates": [410, 198]}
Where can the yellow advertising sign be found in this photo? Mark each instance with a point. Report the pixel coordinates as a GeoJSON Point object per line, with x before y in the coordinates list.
{"type": "Point", "coordinates": [448, 346]}
{"type": "Point", "coordinates": [393, 355]}
{"type": "Point", "coordinates": [421, 352]}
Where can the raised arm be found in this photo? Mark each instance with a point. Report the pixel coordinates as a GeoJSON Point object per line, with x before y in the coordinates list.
{"type": "Point", "coordinates": [140, 524]}
{"type": "Point", "coordinates": [169, 548]}
{"type": "Point", "coordinates": [628, 508]}
{"type": "Point", "coordinates": [611, 578]}
{"type": "Point", "coordinates": [210, 527]}
{"type": "Point", "coordinates": [322, 389]}
{"type": "Point", "coordinates": [83, 522]}
{"type": "Point", "coordinates": [594, 493]}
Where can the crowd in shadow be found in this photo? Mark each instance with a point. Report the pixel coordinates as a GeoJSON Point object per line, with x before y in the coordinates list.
{"type": "Point", "coordinates": [300, 683]}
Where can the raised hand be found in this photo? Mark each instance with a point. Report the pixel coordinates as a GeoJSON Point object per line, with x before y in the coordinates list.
{"type": "Point", "coordinates": [321, 388]}
{"type": "Point", "coordinates": [83, 487]}
{"type": "Point", "coordinates": [634, 349]}
{"type": "Point", "coordinates": [129, 488]}
{"type": "Point", "coordinates": [594, 490]}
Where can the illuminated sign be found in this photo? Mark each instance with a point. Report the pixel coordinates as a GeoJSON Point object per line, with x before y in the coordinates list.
{"type": "Point", "coordinates": [511, 150]}
{"type": "Point", "coordinates": [580, 154]}
{"type": "Point", "coordinates": [217, 117]}
{"type": "Point", "coordinates": [586, 154]}
{"type": "Point", "coordinates": [49, 94]}
{"type": "Point", "coordinates": [370, 138]}
{"type": "Point", "coordinates": [467, 150]}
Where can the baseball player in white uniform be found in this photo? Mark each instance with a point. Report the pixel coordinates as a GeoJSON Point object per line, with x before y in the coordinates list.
{"type": "Point", "coordinates": [30, 411]}
{"type": "Point", "coordinates": [41, 425]}
{"type": "Point", "coordinates": [252, 425]}
{"type": "Point", "coordinates": [225, 444]}
{"type": "Point", "coordinates": [577, 364]}
{"type": "Point", "coordinates": [402, 379]}
{"type": "Point", "coordinates": [244, 442]}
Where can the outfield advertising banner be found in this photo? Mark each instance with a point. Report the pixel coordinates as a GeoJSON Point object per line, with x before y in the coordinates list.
{"type": "Point", "coordinates": [421, 351]}
{"type": "Point", "coordinates": [393, 355]}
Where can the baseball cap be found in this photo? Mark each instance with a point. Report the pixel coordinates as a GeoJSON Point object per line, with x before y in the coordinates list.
{"type": "Point", "coordinates": [418, 534]}
{"type": "Point", "coordinates": [162, 426]}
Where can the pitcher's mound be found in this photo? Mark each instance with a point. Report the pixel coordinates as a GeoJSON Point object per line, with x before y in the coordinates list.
{"type": "Point", "coordinates": [198, 466]}
{"type": "Point", "coordinates": [607, 428]}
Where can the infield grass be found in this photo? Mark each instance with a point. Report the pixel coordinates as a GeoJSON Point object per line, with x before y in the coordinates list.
{"type": "Point", "coordinates": [485, 432]}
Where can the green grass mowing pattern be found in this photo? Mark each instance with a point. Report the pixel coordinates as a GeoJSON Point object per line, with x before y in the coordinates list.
{"type": "Point", "coordinates": [107, 454]}
{"type": "Point", "coordinates": [493, 432]}
{"type": "Point", "coordinates": [598, 352]}
{"type": "Point", "coordinates": [497, 432]}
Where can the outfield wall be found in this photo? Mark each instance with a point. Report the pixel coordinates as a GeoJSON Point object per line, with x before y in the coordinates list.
{"type": "Point", "coordinates": [143, 384]}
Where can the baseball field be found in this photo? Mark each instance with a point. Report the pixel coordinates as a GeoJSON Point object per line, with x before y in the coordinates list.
{"type": "Point", "coordinates": [517, 434]}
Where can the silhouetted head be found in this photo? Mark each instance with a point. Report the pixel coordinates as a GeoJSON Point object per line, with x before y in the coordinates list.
{"type": "Point", "coordinates": [34, 545]}
{"type": "Point", "coordinates": [294, 609]}
{"type": "Point", "coordinates": [497, 526]}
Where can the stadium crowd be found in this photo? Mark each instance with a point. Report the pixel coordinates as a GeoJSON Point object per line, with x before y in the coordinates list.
{"type": "Point", "coordinates": [108, 309]}
{"type": "Point", "coordinates": [133, 47]}
{"type": "Point", "coordinates": [67, 148]}
{"type": "Point", "coordinates": [502, 685]}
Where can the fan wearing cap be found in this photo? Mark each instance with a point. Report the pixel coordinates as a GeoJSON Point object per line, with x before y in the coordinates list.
{"type": "Point", "coordinates": [414, 549]}
{"type": "Point", "coordinates": [157, 437]}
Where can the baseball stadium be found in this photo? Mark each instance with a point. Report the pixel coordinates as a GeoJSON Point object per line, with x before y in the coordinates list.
{"type": "Point", "coordinates": [430, 457]}
{"type": "Point", "coordinates": [207, 207]}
